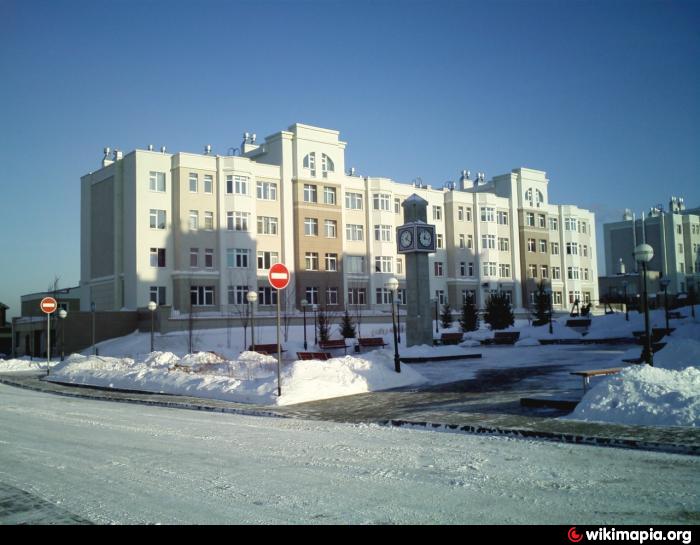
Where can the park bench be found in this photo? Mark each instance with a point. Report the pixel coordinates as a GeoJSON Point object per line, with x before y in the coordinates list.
{"type": "Point", "coordinates": [586, 375]}
{"type": "Point", "coordinates": [314, 355]}
{"type": "Point", "coordinates": [265, 349]}
{"type": "Point", "coordinates": [333, 344]}
{"type": "Point", "coordinates": [371, 342]}
{"type": "Point", "coordinates": [449, 338]}
{"type": "Point", "coordinates": [675, 315]}
{"type": "Point", "coordinates": [503, 337]}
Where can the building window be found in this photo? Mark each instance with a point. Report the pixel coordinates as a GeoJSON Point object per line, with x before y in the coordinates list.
{"type": "Point", "coordinates": [382, 233]}
{"type": "Point", "coordinates": [439, 241]}
{"type": "Point", "coordinates": [202, 295]}
{"type": "Point", "coordinates": [382, 264]}
{"type": "Point", "coordinates": [157, 295]}
{"type": "Point", "coordinates": [468, 210]}
{"type": "Point", "coordinates": [460, 213]}
{"type": "Point", "coordinates": [331, 228]}
{"type": "Point", "coordinates": [157, 219]}
{"type": "Point", "coordinates": [530, 219]}
{"type": "Point", "coordinates": [572, 273]}
{"type": "Point", "coordinates": [237, 258]}
{"type": "Point", "coordinates": [570, 224]}
{"type": "Point", "coordinates": [311, 227]}
{"type": "Point", "coordinates": [267, 296]}
{"type": "Point", "coordinates": [571, 248]}
{"type": "Point", "coordinates": [553, 224]}
{"type": "Point", "coordinates": [531, 245]}
{"type": "Point", "coordinates": [503, 244]}
{"type": "Point", "coordinates": [399, 265]}
{"type": "Point", "coordinates": [355, 264]}
{"type": "Point", "coordinates": [397, 206]}
{"type": "Point", "coordinates": [489, 268]}
{"type": "Point", "coordinates": [556, 273]}
{"type": "Point", "coordinates": [209, 258]}
{"type": "Point", "coordinates": [158, 257]}
{"type": "Point", "coordinates": [310, 193]}
{"type": "Point", "coordinates": [383, 296]}
{"type": "Point", "coordinates": [557, 297]}
{"type": "Point", "coordinates": [237, 295]}
{"type": "Point", "coordinates": [266, 191]}
{"type": "Point", "coordinates": [332, 296]}
{"type": "Point", "coordinates": [194, 220]}
{"type": "Point", "coordinates": [544, 271]}
{"type": "Point", "coordinates": [438, 268]}
{"type": "Point", "coordinates": [194, 181]}
{"type": "Point", "coordinates": [267, 259]}
{"type": "Point", "coordinates": [237, 221]}
{"type": "Point", "coordinates": [487, 213]}
{"type": "Point", "coordinates": [488, 242]}
{"type": "Point", "coordinates": [310, 163]}
{"type": "Point", "coordinates": [194, 257]}
{"type": "Point", "coordinates": [541, 221]}
{"type": "Point", "coordinates": [532, 271]}
{"type": "Point", "coordinates": [502, 218]}
{"type": "Point", "coordinates": [440, 296]}
{"type": "Point", "coordinates": [437, 212]}
{"type": "Point", "coordinates": [555, 248]}
{"type": "Point", "coordinates": [326, 165]}
{"type": "Point", "coordinates": [267, 225]}
{"type": "Point", "coordinates": [462, 241]}
{"type": "Point", "coordinates": [329, 195]}
{"type": "Point", "coordinates": [381, 201]}
{"type": "Point", "coordinates": [354, 232]}
{"type": "Point", "coordinates": [504, 270]}
{"type": "Point", "coordinates": [332, 262]}
{"type": "Point", "coordinates": [353, 201]}
{"type": "Point", "coordinates": [208, 183]}
{"type": "Point", "coordinates": [543, 246]}
{"type": "Point", "coordinates": [156, 181]}
{"type": "Point", "coordinates": [357, 296]}
{"type": "Point", "coordinates": [470, 242]}
{"type": "Point", "coordinates": [209, 221]}
{"type": "Point", "coordinates": [311, 259]}
{"type": "Point", "coordinates": [312, 295]}
{"type": "Point", "coordinates": [585, 250]}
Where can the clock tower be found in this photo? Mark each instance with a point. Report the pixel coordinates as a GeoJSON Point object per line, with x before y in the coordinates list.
{"type": "Point", "coordinates": [416, 239]}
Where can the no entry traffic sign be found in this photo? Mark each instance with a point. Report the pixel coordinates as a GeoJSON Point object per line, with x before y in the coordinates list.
{"type": "Point", "coordinates": [48, 305]}
{"type": "Point", "coordinates": [278, 276]}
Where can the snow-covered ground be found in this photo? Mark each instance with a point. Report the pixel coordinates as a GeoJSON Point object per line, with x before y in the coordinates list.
{"type": "Point", "coordinates": [121, 463]}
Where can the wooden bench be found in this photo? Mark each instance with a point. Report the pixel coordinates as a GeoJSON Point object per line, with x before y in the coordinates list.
{"type": "Point", "coordinates": [503, 337]}
{"type": "Point", "coordinates": [586, 375]}
{"type": "Point", "coordinates": [371, 342]}
{"type": "Point", "coordinates": [265, 349]}
{"type": "Point", "coordinates": [333, 344]}
{"type": "Point", "coordinates": [449, 338]}
{"type": "Point", "coordinates": [314, 355]}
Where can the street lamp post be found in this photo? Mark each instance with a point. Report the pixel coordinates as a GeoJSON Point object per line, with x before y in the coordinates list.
{"type": "Point", "coordinates": [152, 306]}
{"type": "Point", "coordinates": [643, 254]}
{"type": "Point", "coordinates": [62, 315]}
{"type": "Point", "coordinates": [304, 302]}
{"type": "Point", "coordinates": [627, 314]}
{"type": "Point", "coordinates": [436, 316]}
{"type": "Point", "coordinates": [664, 282]}
{"type": "Point", "coordinates": [548, 291]}
{"type": "Point", "coordinates": [314, 307]}
{"type": "Point", "coordinates": [92, 309]}
{"type": "Point", "coordinates": [252, 296]}
{"type": "Point", "coordinates": [398, 319]}
{"type": "Point", "coordinates": [691, 293]}
{"type": "Point", "coordinates": [392, 285]}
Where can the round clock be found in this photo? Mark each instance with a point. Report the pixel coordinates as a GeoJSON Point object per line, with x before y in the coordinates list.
{"type": "Point", "coordinates": [425, 238]}
{"type": "Point", "coordinates": [406, 239]}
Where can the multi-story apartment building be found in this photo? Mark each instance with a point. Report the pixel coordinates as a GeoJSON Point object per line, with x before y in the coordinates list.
{"type": "Point", "coordinates": [674, 235]}
{"type": "Point", "coordinates": [201, 230]}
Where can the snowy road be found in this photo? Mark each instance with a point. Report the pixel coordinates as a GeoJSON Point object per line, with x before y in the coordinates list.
{"type": "Point", "coordinates": [118, 463]}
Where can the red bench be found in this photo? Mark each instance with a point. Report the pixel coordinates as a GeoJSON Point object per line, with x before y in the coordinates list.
{"type": "Point", "coordinates": [265, 348]}
{"type": "Point", "coordinates": [371, 342]}
{"type": "Point", "coordinates": [333, 344]}
{"type": "Point", "coordinates": [449, 338]}
{"type": "Point", "coordinates": [314, 355]}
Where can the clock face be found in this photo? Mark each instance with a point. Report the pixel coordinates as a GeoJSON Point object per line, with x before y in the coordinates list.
{"type": "Point", "coordinates": [425, 238]}
{"type": "Point", "coordinates": [406, 239]}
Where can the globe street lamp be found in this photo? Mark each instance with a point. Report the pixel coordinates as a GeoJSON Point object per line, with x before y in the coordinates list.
{"type": "Point", "coordinates": [152, 306]}
{"type": "Point", "coordinates": [664, 282]}
{"type": "Point", "coordinates": [392, 285]}
{"type": "Point", "coordinates": [314, 307]}
{"type": "Point", "coordinates": [62, 315]}
{"type": "Point", "coordinates": [643, 255]}
{"type": "Point", "coordinates": [304, 302]}
{"type": "Point", "coordinates": [252, 296]}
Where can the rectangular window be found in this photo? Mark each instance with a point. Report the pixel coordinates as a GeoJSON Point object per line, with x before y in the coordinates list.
{"type": "Point", "coordinates": [541, 221]}
{"type": "Point", "coordinates": [353, 201]}
{"type": "Point", "coordinates": [209, 221]}
{"type": "Point", "coordinates": [381, 201]}
{"type": "Point", "coordinates": [543, 246]}
{"type": "Point", "coordinates": [194, 181]}
{"type": "Point", "coordinates": [267, 259]}
{"type": "Point", "coordinates": [310, 193]}
{"type": "Point", "coordinates": [532, 271]}
{"type": "Point", "coordinates": [157, 257]}
{"type": "Point", "coordinates": [440, 296]}
{"type": "Point", "coordinates": [504, 270]}
{"type": "Point", "coordinates": [383, 296]}
{"type": "Point", "coordinates": [382, 233]}
{"type": "Point", "coordinates": [462, 268]}
{"type": "Point", "coordinates": [556, 273]}
{"type": "Point", "coordinates": [489, 268]}
{"type": "Point", "coordinates": [502, 218]}
{"type": "Point", "coordinates": [487, 213]}
{"type": "Point", "coordinates": [354, 232]}
{"type": "Point", "coordinates": [329, 195]}
{"type": "Point", "coordinates": [332, 262]}
{"type": "Point", "coordinates": [357, 296]}
{"type": "Point", "coordinates": [503, 244]}
{"type": "Point", "coordinates": [382, 264]}
{"type": "Point", "coordinates": [544, 271]}
{"type": "Point", "coordinates": [267, 296]}
{"type": "Point", "coordinates": [237, 295]}
{"type": "Point", "coordinates": [397, 206]}
{"type": "Point", "coordinates": [355, 264]}
{"type": "Point", "coordinates": [208, 183]}
{"type": "Point", "coordinates": [194, 257]}
{"type": "Point", "coordinates": [266, 191]}
{"type": "Point", "coordinates": [571, 248]}
{"type": "Point", "coordinates": [438, 268]}
{"type": "Point", "coordinates": [470, 242]}
{"type": "Point", "coordinates": [460, 213]}
{"type": "Point", "coordinates": [437, 212]}
{"type": "Point", "coordinates": [470, 269]}
{"type": "Point", "coordinates": [469, 213]}
{"type": "Point", "coordinates": [399, 265]}
{"type": "Point", "coordinates": [240, 185]}
{"type": "Point", "coordinates": [157, 219]}
{"type": "Point", "coordinates": [462, 241]}
{"type": "Point", "coordinates": [237, 221]}
{"type": "Point", "coordinates": [240, 258]}
{"type": "Point", "coordinates": [194, 220]}
{"type": "Point", "coordinates": [531, 245]}
{"type": "Point", "coordinates": [553, 224]}
{"type": "Point", "coordinates": [267, 225]}
{"type": "Point", "coordinates": [310, 227]}
{"type": "Point", "coordinates": [332, 296]}
{"type": "Point", "coordinates": [555, 248]}
{"type": "Point", "coordinates": [156, 181]}
{"type": "Point", "coordinates": [488, 242]}
{"type": "Point", "coordinates": [585, 250]}
{"type": "Point", "coordinates": [311, 259]}
{"type": "Point", "coordinates": [209, 258]}
{"type": "Point", "coordinates": [331, 228]}
{"type": "Point", "coordinates": [157, 295]}
{"type": "Point", "coordinates": [202, 295]}
{"type": "Point", "coordinates": [312, 295]}
{"type": "Point", "coordinates": [557, 297]}
{"type": "Point", "coordinates": [570, 224]}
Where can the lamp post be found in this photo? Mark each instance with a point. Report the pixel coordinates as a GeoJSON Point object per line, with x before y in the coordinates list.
{"type": "Point", "coordinates": [436, 316]}
{"type": "Point", "coordinates": [643, 255]}
{"type": "Point", "coordinates": [62, 315]}
{"type": "Point", "coordinates": [627, 314]}
{"type": "Point", "coordinates": [304, 302]}
{"type": "Point", "coordinates": [548, 291]}
{"type": "Point", "coordinates": [691, 294]}
{"type": "Point", "coordinates": [398, 319]}
{"type": "Point", "coordinates": [152, 306]}
{"type": "Point", "coordinates": [315, 308]}
{"type": "Point", "coordinates": [664, 282]}
{"type": "Point", "coordinates": [92, 309]}
{"type": "Point", "coordinates": [392, 285]}
{"type": "Point", "coordinates": [252, 296]}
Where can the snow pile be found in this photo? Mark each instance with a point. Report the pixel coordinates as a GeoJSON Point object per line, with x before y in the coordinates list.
{"type": "Point", "coordinates": [644, 395]}
{"type": "Point", "coordinates": [251, 378]}
{"type": "Point", "coordinates": [528, 341]}
{"type": "Point", "coordinates": [22, 365]}
{"type": "Point", "coordinates": [678, 354]}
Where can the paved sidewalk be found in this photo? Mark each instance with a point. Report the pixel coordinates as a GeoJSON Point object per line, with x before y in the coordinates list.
{"type": "Point", "coordinates": [21, 507]}
{"type": "Point", "coordinates": [488, 404]}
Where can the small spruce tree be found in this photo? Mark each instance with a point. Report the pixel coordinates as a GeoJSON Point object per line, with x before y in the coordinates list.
{"type": "Point", "coordinates": [347, 327]}
{"type": "Point", "coordinates": [541, 306]}
{"type": "Point", "coordinates": [498, 313]}
{"type": "Point", "coordinates": [324, 326]}
{"type": "Point", "coordinates": [446, 316]}
{"type": "Point", "coordinates": [469, 321]}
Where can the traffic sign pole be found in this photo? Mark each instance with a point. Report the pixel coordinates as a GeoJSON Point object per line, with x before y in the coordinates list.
{"type": "Point", "coordinates": [279, 348]}
{"type": "Point", "coordinates": [278, 277]}
{"type": "Point", "coordinates": [48, 305]}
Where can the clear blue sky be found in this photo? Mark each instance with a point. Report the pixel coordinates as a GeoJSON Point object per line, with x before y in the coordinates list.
{"type": "Point", "coordinates": [603, 95]}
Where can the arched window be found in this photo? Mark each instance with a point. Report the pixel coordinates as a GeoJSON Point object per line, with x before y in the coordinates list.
{"type": "Point", "coordinates": [528, 196]}
{"type": "Point", "coordinates": [310, 162]}
{"type": "Point", "coordinates": [539, 197]}
{"type": "Point", "coordinates": [326, 165]}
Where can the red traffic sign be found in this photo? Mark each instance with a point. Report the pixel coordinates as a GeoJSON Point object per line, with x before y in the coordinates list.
{"type": "Point", "coordinates": [48, 305]}
{"type": "Point", "coordinates": [278, 276]}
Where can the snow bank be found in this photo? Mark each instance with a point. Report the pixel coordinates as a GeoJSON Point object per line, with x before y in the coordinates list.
{"type": "Point", "coordinates": [529, 341]}
{"type": "Point", "coordinates": [678, 353]}
{"type": "Point", "coordinates": [251, 378]}
{"type": "Point", "coordinates": [22, 365]}
{"type": "Point", "coordinates": [644, 395]}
